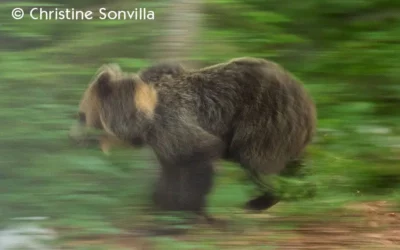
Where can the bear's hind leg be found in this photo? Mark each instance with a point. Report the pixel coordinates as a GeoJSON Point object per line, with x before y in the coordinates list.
{"type": "Point", "coordinates": [268, 198]}
{"type": "Point", "coordinates": [254, 169]}
{"type": "Point", "coordinates": [262, 202]}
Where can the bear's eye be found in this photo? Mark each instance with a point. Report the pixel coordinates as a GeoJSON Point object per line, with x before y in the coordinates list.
{"type": "Point", "coordinates": [82, 117]}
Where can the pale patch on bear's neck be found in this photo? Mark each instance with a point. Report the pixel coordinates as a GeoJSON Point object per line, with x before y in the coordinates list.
{"type": "Point", "coordinates": [145, 98]}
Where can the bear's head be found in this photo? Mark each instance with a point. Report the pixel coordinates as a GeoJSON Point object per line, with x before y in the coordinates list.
{"type": "Point", "coordinates": [116, 107]}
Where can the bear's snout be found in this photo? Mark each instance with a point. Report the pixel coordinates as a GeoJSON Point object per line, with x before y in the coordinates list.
{"type": "Point", "coordinates": [79, 136]}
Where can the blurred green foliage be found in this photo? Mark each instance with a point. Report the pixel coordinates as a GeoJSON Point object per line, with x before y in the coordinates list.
{"type": "Point", "coordinates": [345, 51]}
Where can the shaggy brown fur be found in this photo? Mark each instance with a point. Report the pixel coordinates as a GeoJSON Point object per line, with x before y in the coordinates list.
{"type": "Point", "coordinates": [156, 72]}
{"type": "Point", "coordinates": [247, 110]}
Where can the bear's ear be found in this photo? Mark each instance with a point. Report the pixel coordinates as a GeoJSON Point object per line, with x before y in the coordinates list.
{"type": "Point", "coordinates": [105, 76]}
{"type": "Point", "coordinates": [103, 84]}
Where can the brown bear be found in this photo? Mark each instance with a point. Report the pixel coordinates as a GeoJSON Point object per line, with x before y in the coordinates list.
{"type": "Point", "coordinates": [247, 110]}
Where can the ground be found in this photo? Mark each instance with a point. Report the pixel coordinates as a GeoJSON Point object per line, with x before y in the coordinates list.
{"type": "Point", "coordinates": [368, 225]}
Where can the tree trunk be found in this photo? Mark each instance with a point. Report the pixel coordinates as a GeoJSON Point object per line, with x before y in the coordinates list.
{"type": "Point", "coordinates": [180, 33]}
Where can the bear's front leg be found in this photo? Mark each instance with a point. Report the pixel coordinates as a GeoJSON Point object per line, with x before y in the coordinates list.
{"type": "Point", "coordinates": [184, 186]}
